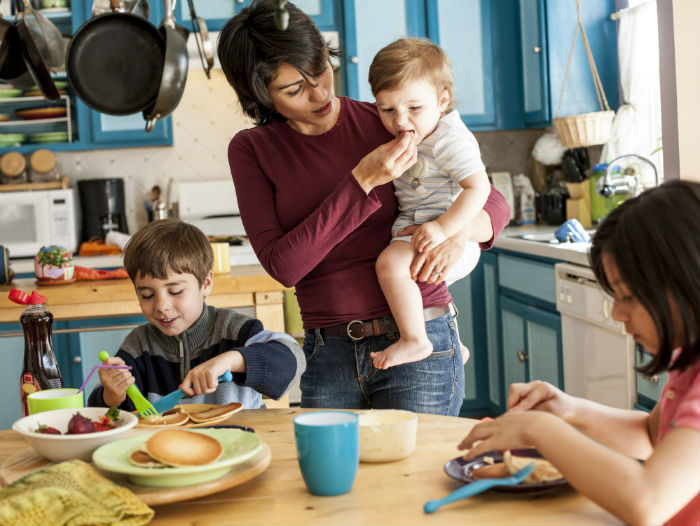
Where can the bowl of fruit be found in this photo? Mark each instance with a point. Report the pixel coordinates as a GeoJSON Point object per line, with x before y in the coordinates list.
{"type": "Point", "coordinates": [65, 434]}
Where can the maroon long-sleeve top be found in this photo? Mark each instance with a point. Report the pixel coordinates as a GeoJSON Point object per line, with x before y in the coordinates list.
{"type": "Point", "coordinates": [311, 224]}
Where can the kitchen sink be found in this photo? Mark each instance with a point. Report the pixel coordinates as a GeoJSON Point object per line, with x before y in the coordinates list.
{"type": "Point", "coordinates": [543, 237]}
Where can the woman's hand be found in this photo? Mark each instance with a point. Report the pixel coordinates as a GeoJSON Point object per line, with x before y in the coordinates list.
{"type": "Point", "coordinates": [204, 378]}
{"type": "Point", "coordinates": [432, 265]}
{"type": "Point", "coordinates": [540, 396]}
{"type": "Point", "coordinates": [386, 162]}
{"type": "Point", "coordinates": [427, 236]}
{"type": "Point", "coordinates": [115, 382]}
{"type": "Point", "coordinates": [508, 431]}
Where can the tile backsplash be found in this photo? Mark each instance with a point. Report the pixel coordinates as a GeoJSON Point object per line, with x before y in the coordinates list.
{"type": "Point", "coordinates": [204, 122]}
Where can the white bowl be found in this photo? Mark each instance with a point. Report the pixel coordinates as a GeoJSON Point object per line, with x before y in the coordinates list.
{"type": "Point", "coordinates": [387, 435]}
{"type": "Point", "coordinates": [66, 447]}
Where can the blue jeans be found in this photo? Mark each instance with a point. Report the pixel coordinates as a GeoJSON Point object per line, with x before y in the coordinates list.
{"type": "Point", "coordinates": [340, 373]}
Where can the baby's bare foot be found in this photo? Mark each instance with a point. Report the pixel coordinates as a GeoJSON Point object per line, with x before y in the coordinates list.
{"type": "Point", "coordinates": [403, 351]}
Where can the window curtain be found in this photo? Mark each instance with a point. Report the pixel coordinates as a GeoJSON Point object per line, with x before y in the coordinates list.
{"type": "Point", "coordinates": [637, 125]}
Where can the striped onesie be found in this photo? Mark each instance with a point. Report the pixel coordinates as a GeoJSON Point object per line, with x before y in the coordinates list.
{"type": "Point", "coordinates": [428, 188]}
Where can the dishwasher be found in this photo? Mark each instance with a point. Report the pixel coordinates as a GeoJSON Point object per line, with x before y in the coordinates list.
{"type": "Point", "coordinates": [598, 355]}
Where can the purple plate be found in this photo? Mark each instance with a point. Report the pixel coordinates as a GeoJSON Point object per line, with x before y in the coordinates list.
{"type": "Point", "coordinates": [461, 470]}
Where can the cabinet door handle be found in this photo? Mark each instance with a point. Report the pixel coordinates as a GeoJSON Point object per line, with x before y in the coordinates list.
{"type": "Point", "coordinates": [522, 356]}
{"type": "Point", "coordinates": [653, 378]}
{"type": "Point", "coordinates": [536, 49]}
{"type": "Point", "coordinates": [355, 59]}
{"type": "Point", "coordinates": [77, 359]}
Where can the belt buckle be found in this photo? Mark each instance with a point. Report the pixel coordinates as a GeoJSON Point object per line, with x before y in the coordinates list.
{"type": "Point", "coordinates": [349, 328]}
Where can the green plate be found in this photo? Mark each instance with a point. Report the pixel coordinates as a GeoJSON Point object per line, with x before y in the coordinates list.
{"type": "Point", "coordinates": [10, 93]}
{"type": "Point", "coordinates": [238, 445]}
{"type": "Point", "coordinates": [48, 137]}
{"type": "Point", "coordinates": [60, 84]}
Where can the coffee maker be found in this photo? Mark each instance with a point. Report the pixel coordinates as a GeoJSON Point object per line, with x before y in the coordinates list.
{"type": "Point", "coordinates": [102, 205]}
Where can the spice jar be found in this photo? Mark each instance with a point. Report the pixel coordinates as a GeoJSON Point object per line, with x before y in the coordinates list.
{"type": "Point", "coordinates": [13, 168]}
{"type": "Point", "coordinates": [42, 167]}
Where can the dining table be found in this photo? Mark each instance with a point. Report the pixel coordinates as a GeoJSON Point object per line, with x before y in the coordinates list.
{"type": "Point", "coordinates": [383, 493]}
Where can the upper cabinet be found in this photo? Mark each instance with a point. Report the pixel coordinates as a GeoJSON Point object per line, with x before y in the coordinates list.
{"type": "Point", "coordinates": [508, 58]}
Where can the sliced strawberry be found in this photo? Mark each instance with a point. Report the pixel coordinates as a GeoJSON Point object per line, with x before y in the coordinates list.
{"type": "Point", "coordinates": [100, 427]}
{"type": "Point", "coordinates": [47, 430]}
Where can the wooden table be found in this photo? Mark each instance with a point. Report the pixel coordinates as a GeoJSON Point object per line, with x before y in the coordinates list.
{"type": "Point", "coordinates": [388, 493]}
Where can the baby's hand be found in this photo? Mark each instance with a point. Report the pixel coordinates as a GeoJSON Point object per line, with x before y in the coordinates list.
{"type": "Point", "coordinates": [204, 378]}
{"type": "Point", "coordinates": [428, 236]}
{"type": "Point", "coordinates": [115, 382]}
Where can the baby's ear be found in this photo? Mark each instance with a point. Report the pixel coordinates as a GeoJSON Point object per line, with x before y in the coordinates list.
{"type": "Point", "coordinates": [444, 100]}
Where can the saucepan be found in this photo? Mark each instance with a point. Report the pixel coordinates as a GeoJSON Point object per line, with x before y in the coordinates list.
{"type": "Point", "coordinates": [32, 57]}
{"type": "Point", "coordinates": [201, 37]}
{"type": "Point", "coordinates": [172, 83]}
{"type": "Point", "coordinates": [115, 62]}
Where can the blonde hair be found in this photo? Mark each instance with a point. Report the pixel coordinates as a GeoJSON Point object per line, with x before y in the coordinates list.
{"type": "Point", "coordinates": [410, 59]}
{"type": "Point", "coordinates": [168, 245]}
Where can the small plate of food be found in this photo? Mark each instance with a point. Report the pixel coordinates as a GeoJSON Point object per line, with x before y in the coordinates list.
{"type": "Point", "coordinates": [494, 464]}
{"type": "Point", "coordinates": [192, 415]}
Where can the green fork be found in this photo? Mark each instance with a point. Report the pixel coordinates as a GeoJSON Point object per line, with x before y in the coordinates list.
{"type": "Point", "coordinates": [143, 406]}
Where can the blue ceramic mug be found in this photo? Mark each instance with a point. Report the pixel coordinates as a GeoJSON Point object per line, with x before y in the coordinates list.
{"type": "Point", "coordinates": [328, 445]}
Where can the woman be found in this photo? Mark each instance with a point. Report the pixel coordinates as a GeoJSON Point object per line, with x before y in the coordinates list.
{"type": "Point", "coordinates": [318, 210]}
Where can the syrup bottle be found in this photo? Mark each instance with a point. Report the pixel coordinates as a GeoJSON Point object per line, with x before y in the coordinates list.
{"type": "Point", "coordinates": [40, 368]}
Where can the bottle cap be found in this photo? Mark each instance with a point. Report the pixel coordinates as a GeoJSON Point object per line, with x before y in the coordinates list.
{"type": "Point", "coordinates": [23, 298]}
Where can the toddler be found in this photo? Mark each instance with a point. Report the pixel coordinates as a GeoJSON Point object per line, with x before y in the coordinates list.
{"type": "Point", "coordinates": [186, 343]}
{"type": "Point", "coordinates": [647, 255]}
{"type": "Point", "coordinates": [443, 192]}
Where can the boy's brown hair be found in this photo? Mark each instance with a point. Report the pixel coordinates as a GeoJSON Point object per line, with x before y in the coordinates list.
{"type": "Point", "coordinates": [410, 59]}
{"type": "Point", "coordinates": [168, 245]}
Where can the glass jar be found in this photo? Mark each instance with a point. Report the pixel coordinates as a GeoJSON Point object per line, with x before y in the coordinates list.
{"type": "Point", "coordinates": [42, 167]}
{"type": "Point", "coordinates": [13, 168]}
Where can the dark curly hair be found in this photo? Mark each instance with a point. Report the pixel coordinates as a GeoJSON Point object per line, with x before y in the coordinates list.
{"type": "Point", "coordinates": [251, 49]}
{"type": "Point", "coordinates": [654, 240]}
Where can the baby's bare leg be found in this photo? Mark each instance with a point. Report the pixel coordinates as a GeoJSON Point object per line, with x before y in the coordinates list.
{"type": "Point", "coordinates": [406, 303]}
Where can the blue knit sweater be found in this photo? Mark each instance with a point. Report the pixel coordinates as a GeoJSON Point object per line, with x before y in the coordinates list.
{"type": "Point", "coordinates": [160, 362]}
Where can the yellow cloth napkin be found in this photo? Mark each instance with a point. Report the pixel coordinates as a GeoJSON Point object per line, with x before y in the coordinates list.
{"type": "Point", "coordinates": [71, 493]}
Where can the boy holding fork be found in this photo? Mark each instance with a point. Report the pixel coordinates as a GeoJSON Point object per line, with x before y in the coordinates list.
{"type": "Point", "coordinates": [187, 344]}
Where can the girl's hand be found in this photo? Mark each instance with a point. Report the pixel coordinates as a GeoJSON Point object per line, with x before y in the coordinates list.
{"type": "Point", "coordinates": [427, 236]}
{"type": "Point", "coordinates": [386, 162]}
{"type": "Point", "coordinates": [540, 396]}
{"type": "Point", "coordinates": [508, 431]}
{"type": "Point", "coordinates": [433, 265]}
{"type": "Point", "coordinates": [204, 378]}
{"type": "Point", "coordinates": [115, 382]}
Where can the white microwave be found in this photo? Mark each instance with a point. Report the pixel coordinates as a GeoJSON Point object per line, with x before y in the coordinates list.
{"type": "Point", "coordinates": [31, 220]}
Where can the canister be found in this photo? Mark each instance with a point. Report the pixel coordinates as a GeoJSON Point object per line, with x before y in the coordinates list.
{"type": "Point", "coordinates": [13, 168]}
{"type": "Point", "coordinates": [42, 166]}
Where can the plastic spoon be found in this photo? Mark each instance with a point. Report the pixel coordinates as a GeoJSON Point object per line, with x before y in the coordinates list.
{"type": "Point", "coordinates": [469, 490]}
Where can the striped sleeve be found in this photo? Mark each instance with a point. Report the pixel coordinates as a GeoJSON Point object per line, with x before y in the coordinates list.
{"type": "Point", "coordinates": [456, 150]}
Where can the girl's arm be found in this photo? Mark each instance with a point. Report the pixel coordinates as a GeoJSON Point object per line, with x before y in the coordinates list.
{"type": "Point", "coordinates": [288, 256]}
{"type": "Point", "coordinates": [648, 493]}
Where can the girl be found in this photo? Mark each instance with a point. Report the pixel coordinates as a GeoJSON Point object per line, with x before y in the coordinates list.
{"type": "Point", "coordinates": [647, 255]}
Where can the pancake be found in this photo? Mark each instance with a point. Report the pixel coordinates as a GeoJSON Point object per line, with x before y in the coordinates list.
{"type": "Point", "coordinates": [491, 471]}
{"type": "Point", "coordinates": [143, 460]}
{"type": "Point", "coordinates": [182, 448]}
{"type": "Point", "coordinates": [544, 470]}
{"type": "Point", "coordinates": [167, 419]}
{"type": "Point", "coordinates": [215, 413]}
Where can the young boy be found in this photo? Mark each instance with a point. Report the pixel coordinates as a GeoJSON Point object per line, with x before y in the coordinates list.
{"type": "Point", "coordinates": [443, 192]}
{"type": "Point", "coordinates": [186, 343]}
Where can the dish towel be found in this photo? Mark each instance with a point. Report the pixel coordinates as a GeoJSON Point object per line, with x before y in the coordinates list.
{"type": "Point", "coordinates": [71, 493]}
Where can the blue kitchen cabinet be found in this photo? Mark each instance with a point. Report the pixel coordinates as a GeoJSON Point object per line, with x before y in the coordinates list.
{"type": "Point", "coordinates": [11, 356]}
{"type": "Point", "coordinates": [546, 33]}
{"type": "Point", "coordinates": [217, 12]}
{"type": "Point", "coordinates": [649, 387]}
{"type": "Point", "coordinates": [531, 340]}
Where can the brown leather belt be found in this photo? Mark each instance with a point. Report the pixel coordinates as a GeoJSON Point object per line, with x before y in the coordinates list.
{"type": "Point", "coordinates": [358, 329]}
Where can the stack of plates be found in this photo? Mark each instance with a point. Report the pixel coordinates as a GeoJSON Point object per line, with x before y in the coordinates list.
{"type": "Point", "coordinates": [11, 139]}
{"type": "Point", "coordinates": [46, 112]}
{"type": "Point", "coordinates": [48, 137]}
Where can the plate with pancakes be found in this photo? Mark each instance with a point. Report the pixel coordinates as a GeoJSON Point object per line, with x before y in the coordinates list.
{"type": "Point", "coordinates": [192, 415]}
{"type": "Point", "coordinates": [177, 457]}
{"type": "Point", "coordinates": [494, 464]}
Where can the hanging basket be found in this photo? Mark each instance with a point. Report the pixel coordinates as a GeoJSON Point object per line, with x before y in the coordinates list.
{"type": "Point", "coordinates": [587, 129]}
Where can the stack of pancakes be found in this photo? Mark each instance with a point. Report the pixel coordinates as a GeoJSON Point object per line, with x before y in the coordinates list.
{"type": "Point", "coordinates": [177, 448]}
{"type": "Point", "coordinates": [180, 415]}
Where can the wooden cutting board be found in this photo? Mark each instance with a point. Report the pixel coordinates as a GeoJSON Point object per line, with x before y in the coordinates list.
{"type": "Point", "coordinates": [27, 461]}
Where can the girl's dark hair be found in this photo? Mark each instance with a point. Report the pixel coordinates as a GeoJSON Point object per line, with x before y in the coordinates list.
{"type": "Point", "coordinates": [251, 49]}
{"type": "Point", "coordinates": [654, 240]}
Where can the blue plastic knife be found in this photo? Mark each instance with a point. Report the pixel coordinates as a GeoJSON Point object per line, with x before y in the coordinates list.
{"type": "Point", "coordinates": [170, 400]}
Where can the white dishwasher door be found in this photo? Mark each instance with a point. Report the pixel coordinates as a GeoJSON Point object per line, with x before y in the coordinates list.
{"type": "Point", "coordinates": [598, 355]}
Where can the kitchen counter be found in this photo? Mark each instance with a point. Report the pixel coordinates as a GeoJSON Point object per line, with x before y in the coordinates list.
{"type": "Point", "coordinates": [244, 286]}
{"type": "Point", "coordinates": [511, 239]}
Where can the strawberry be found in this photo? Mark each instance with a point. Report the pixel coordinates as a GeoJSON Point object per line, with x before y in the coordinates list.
{"type": "Point", "coordinates": [97, 426]}
{"type": "Point", "coordinates": [47, 430]}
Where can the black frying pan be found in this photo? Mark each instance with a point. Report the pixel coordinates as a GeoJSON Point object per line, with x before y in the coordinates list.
{"type": "Point", "coordinates": [114, 62]}
{"type": "Point", "coordinates": [175, 66]}
{"type": "Point", "coordinates": [5, 27]}
{"type": "Point", "coordinates": [32, 58]}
